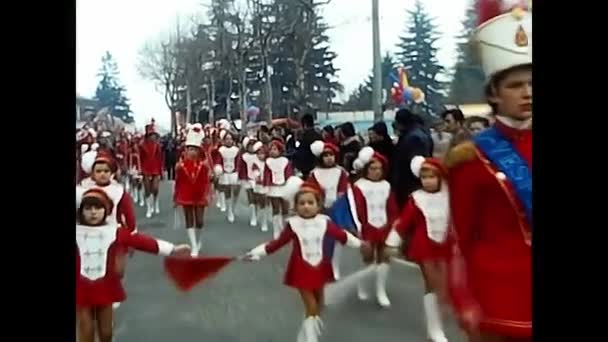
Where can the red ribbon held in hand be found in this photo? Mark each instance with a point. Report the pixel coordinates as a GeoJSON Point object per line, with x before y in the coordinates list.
{"type": "Point", "coordinates": [186, 272]}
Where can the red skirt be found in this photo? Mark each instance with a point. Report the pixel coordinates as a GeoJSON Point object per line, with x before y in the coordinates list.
{"type": "Point", "coordinates": [373, 235]}
{"type": "Point", "coordinates": [421, 248]}
{"type": "Point", "coordinates": [303, 276]}
{"type": "Point", "coordinates": [101, 292]}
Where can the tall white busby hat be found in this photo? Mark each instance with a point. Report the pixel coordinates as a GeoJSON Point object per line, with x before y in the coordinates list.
{"type": "Point", "coordinates": [504, 36]}
{"type": "Point", "coordinates": [195, 135]}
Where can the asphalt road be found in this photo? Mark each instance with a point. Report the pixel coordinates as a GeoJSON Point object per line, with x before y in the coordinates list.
{"type": "Point", "coordinates": [247, 302]}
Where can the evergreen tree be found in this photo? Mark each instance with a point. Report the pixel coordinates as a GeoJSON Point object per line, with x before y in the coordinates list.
{"type": "Point", "coordinates": [468, 82]}
{"type": "Point", "coordinates": [361, 98]}
{"type": "Point", "coordinates": [418, 54]}
{"type": "Point", "coordinates": [110, 93]}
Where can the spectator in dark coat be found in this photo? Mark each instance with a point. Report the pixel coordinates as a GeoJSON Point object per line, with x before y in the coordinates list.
{"type": "Point", "coordinates": [454, 120]}
{"type": "Point", "coordinates": [380, 141]}
{"type": "Point", "coordinates": [303, 158]}
{"type": "Point", "coordinates": [414, 140]}
{"type": "Point", "coordinates": [170, 150]}
{"type": "Point", "coordinates": [350, 146]}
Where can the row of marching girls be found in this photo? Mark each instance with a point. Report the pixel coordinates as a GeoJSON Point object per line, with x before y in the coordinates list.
{"type": "Point", "coordinates": [368, 209]}
{"type": "Point", "coordinates": [105, 232]}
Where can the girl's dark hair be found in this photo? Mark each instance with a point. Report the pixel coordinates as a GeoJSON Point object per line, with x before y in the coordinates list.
{"type": "Point", "coordinates": [329, 129]}
{"type": "Point", "coordinates": [456, 114]}
{"type": "Point", "coordinates": [348, 129]}
{"type": "Point", "coordinates": [365, 170]}
{"type": "Point", "coordinates": [88, 202]}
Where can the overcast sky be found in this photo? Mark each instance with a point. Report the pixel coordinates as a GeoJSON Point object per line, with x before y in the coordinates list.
{"type": "Point", "coordinates": [122, 26]}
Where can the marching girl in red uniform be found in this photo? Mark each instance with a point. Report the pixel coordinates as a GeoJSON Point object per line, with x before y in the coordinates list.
{"type": "Point", "coordinates": [376, 209]}
{"type": "Point", "coordinates": [259, 189]}
{"type": "Point", "coordinates": [98, 283]}
{"type": "Point", "coordinates": [135, 177]}
{"type": "Point", "coordinates": [151, 155]}
{"type": "Point", "coordinates": [424, 221]}
{"type": "Point", "coordinates": [278, 170]}
{"type": "Point", "coordinates": [308, 269]}
{"type": "Point", "coordinates": [226, 168]}
{"type": "Point", "coordinates": [248, 158]}
{"type": "Point", "coordinates": [192, 184]}
{"type": "Point", "coordinates": [122, 152]}
{"type": "Point", "coordinates": [333, 180]}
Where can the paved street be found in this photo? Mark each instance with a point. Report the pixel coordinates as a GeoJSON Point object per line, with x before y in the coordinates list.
{"type": "Point", "coordinates": [247, 302]}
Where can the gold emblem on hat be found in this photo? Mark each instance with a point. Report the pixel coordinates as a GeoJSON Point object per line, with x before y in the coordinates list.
{"type": "Point", "coordinates": [521, 38]}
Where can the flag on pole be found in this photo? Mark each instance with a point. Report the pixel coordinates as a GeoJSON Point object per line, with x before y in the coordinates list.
{"type": "Point", "coordinates": [187, 272]}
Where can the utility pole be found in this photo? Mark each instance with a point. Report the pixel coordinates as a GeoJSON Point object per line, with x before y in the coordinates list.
{"type": "Point", "coordinates": [377, 86]}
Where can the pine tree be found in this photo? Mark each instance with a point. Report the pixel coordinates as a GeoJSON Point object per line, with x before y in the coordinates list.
{"type": "Point", "coordinates": [468, 82]}
{"type": "Point", "coordinates": [418, 54]}
{"type": "Point", "coordinates": [110, 93]}
{"type": "Point", "coordinates": [361, 98]}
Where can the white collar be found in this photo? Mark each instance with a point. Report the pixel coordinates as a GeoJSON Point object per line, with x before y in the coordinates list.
{"type": "Point", "coordinates": [516, 124]}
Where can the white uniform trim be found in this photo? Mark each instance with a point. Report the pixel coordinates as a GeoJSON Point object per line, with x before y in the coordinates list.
{"type": "Point", "coordinates": [93, 246]}
{"type": "Point", "coordinates": [436, 210]}
{"type": "Point", "coordinates": [310, 233]}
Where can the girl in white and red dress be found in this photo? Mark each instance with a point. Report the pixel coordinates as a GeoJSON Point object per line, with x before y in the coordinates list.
{"type": "Point", "coordinates": [226, 167]}
{"type": "Point", "coordinates": [332, 179]}
{"type": "Point", "coordinates": [308, 269]}
{"type": "Point", "coordinates": [376, 208]}
{"type": "Point", "coordinates": [151, 154]}
{"type": "Point", "coordinates": [246, 177]}
{"type": "Point", "coordinates": [424, 222]}
{"type": "Point", "coordinates": [278, 170]}
{"type": "Point", "coordinates": [135, 176]}
{"type": "Point", "coordinates": [258, 171]}
{"type": "Point", "coordinates": [192, 185]}
{"type": "Point", "coordinates": [98, 282]}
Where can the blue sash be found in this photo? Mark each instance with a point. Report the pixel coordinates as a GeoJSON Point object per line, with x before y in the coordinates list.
{"type": "Point", "coordinates": [340, 214]}
{"type": "Point", "coordinates": [506, 159]}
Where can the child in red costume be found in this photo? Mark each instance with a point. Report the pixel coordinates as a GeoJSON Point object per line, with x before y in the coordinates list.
{"type": "Point", "coordinates": [151, 155]}
{"type": "Point", "coordinates": [192, 184]}
{"type": "Point", "coordinates": [333, 180]}
{"type": "Point", "coordinates": [424, 222]}
{"type": "Point", "coordinates": [226, 168]}
{"type": "Point", "coordinates": [97, 281]}
{"type": "Point", "coordinates": [246, 175]}
{"type": "Point", "coordinates": [258, 171]}
{"type": "Point", "coordinates": [308, 270]}
{"type": "Point", "coordinates": [376, 208]}
{"type": "Point", "coordinates": [135, 176]}
{"type": "Point", "coordinates": [278, 170]}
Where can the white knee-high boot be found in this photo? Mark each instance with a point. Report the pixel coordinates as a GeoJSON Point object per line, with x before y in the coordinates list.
{"type": "Point", "coordinates": [381, 278]}
{"type": "Point", "coordinates": [156, 205]}
{"type": "Point", "coordinates": [230, 214]}
{"type": "Point", "coordinates": [362, 288]}
{"type": "Point", "coordinates": [433, 318]}
{"type": "Point", "coordinates": [312, 328]}
{"type": "Point", "coordinates": [192, 237]}
{"type": "Point", "coordinates": [142, 197]}
{"type": "Point", "coordinates": [277, 225]}
{"type": "Point", "coordinates": [335, 260]}
{"type": "Point", "coordinates": [263, 219]}
{"type": "Point", "coordinates": [150, 209]}
{"type": "Point", "coordinates": [222, 202]}
{"type": "Point", "coordinates": [253, 221]}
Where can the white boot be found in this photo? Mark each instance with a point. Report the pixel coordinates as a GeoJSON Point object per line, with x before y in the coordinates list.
{"type": "Point", "coordinates": [218, 197]}
{"type": "Point", "coordinates": [192, 237]}
{"type": "Point", "coordinates": [128, 186]}
{"type": "Point", "coordinates": [362, 290]}
{"type": "Point", "coordinates": [311, 329]}
{"type": "Point", "coordinates": [200, 240]}
{"type": "Point", "coordinates": [277, 226]}
{"type": "Point", "coordinates": [335, 260]}
{"type": "Point", "coordinates": [142, 197]}
{"type": "Point", "coordinates": [222, 202]}
{"type": "Point", "coordinates": [135, 195]}
{"type": "Point", "coordinates": [433, 319]}
{"type": "Point", "coordinates": [253, 221]}
{"type": "Point", "coordinates": [156, 205]}
{"type": "Point", "coordinates": [230, 210]}
{"type": "Point", "coordinates": [302, 333]}
{"type": "Point", "coordinates": [263, 218]}
{"type": "Point", "coordinates": [150, 209]}
{"type": "Point", "coordinates": [115, 305]}
{"type": "Point", "coordinates": [381, 277]}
